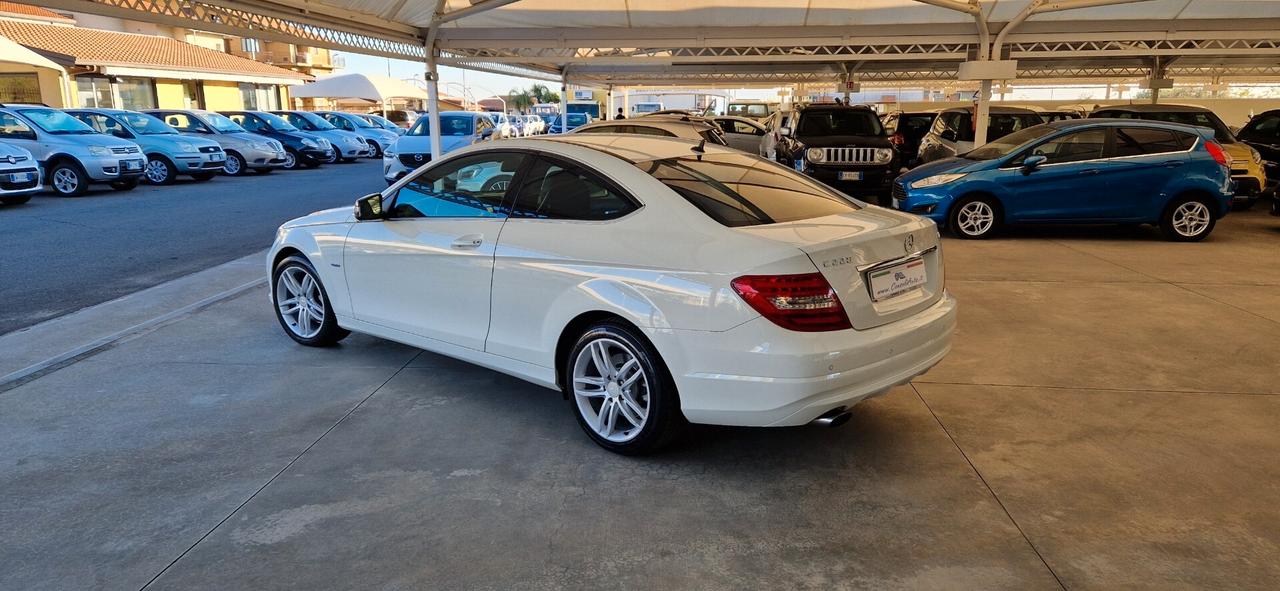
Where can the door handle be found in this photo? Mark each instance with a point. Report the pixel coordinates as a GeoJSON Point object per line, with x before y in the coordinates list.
{"type": "Point", "coordinates": [469, 241]}
{"type": "Point", "coordinates": [1089, 171]}
{"type": "Point", "coordinates": [1172, 164]}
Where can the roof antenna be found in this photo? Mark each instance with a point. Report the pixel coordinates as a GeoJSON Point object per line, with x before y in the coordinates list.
{"type": "Point", "coordinates": [701, 148]}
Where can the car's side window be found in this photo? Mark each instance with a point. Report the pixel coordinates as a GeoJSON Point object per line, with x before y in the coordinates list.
{"type": "Point", "coordinates": [608, 129]}
{"type": "Point", "coordinates": [247, 122]}
{"type": "Point", "coordinates": [744, 128]}
{"type": "Point", "coordinates": [1264, 127]}
{"type": "Point", "coordinates": [1139, 141]}
{"type": "Point", "coordinates": [468, 187]}
{"type": "Point", "coordinates": [13, 128]}
{"type": "Point", "coordinates": [646, 130]}
{"type": "Point", "coordinates": [1089, 144]}
{"type": "Point", "coordinates": [554, 190]}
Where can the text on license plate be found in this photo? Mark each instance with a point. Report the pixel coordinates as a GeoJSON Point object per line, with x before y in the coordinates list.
{"type": "Point", "coordinates": [215, 157]}
{"type": "Point", "coordinates": [21, 177]}
{"type": "Point", "coordinates": [897, 280]}
{"type": "Point", "coordinates": [851, 175]}
{"type": "Point", "coordinates": [133, 165]}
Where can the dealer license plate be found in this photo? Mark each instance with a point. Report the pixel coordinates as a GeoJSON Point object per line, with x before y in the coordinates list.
{"type": "Point", "coordinates": [21, 177]}
{"type": "Point", "coordinates": [897, 280]}
{"type": "Point", "coordinates": [215, 157]}
{"type": "Point", "coordinates": [851, 175]}
{"type": "Point", "coordinates": [132, 164]}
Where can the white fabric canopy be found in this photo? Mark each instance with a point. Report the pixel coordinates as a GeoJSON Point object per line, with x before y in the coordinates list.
{"type": "Point", "coordinates": [359, 86]}
{"type": "Point", "coordinates": [13, 53]}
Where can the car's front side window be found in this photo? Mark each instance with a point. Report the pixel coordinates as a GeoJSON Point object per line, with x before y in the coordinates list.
{"type": "Point", "coordinates": [468, 187]}
{"type": "Point", "coordinates": [1089, 144]}
{"type": "Point", "coordinates": [13, 128]}
{"type": "Point", "coordinates": [553, 190]}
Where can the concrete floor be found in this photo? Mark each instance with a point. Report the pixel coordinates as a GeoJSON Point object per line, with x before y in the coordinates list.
{"type": "Point", "coordinates": [1108, 418]}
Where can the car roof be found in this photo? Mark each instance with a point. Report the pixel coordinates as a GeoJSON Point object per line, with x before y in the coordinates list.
{"type": "Point", "coordinates": [1157, 108]}
{"type": "Point", "coordinates": [835, 107]}
{"type": "Point", "coordinates": [633, 147]}
{"type": "Point", "coordinates": [995, 110]}
{"type": "Point", "coordinates": [1115, 122]}
{"type": "Point", "coordinates": [661, 123]}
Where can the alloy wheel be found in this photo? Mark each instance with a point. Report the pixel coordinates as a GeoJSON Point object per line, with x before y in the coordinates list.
{"type": "Point", "coordinates": [1191, 219]}
{"type": "Point", "coordinates": [611, 389]}
{"type": "Point", "coordinates": [157, 171]}
{"type": "Point", "coordinates": [290, 161]}
{"type": "Point", "coordinates": [299, 301]}
{"type": "Point", "coordinates": [975, 218]}
{"type": "Point", "coordinates": [231, 165]}
{"type": "Point", "coordinates": [66, 181]}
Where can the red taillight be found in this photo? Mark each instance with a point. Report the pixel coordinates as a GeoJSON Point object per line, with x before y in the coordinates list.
{"type": "Point", "coordinates": [1219, 155]}
{"type": "Point", "coordinates": [804, 303]}
{"type": "Point", "coordinates": [897, 139]}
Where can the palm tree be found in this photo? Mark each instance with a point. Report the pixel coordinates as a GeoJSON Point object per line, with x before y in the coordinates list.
{"type": "Point", "coordinates": [544, 94]}
{"type": "Point", "coordinates": [521, 100]}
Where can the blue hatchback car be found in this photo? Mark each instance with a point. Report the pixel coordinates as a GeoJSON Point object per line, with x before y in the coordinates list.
{"type": "Point", "coordinates": [1078, 171]}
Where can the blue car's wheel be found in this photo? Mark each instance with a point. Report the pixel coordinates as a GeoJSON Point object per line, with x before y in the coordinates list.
{"type": "Point", "coordinates": [1188, 219]}
{"type": "Point", "coordinates": [974, 217]}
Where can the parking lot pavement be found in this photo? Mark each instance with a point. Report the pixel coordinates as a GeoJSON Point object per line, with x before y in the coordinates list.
{"type": "Point", "coordinates": [1105, 420]}
{"type": "Point", "coordinates": [69, 253]}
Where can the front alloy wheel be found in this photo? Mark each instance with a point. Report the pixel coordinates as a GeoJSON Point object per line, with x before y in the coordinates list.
{"type": "Point", "coordinates": [290, 160]}
{"type": "Point", "coordinates": [159, 171]}
{"type": "Point", "coordinates": [234, 165]}
{"type": "Point", "coordinates": [622, 396]}
{"type": "Point", "coordinates": [302, 306]}
{"type": "Point", "coordinates": [974, 218]}
{"type": "Point", "coordinates": [68, 181]}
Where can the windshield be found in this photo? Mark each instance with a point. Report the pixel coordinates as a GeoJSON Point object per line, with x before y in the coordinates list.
{"type": "Point", "coordinates": [56, 122]}
{"type": "Point", "coordinates": [360, 122]}
{"type": "Point", "coordinates": [839, 122]}
{"type": "Point", "coordinates": [749, 110]}
{"type": "Point", "coordinates": [743, 190]}
{"type": "Point", "coordinates": [308, 121]}
{"type": "Point", "coordinates": [143, 124]}
{"type": "Point", "coordinates": [222, 123]}
{"type": "Point", "coordinates": [450, 126]}
{"type": "Point", "coordinates": [1006, 145]}
{"type": "Point", "coordinates": [277, 122]}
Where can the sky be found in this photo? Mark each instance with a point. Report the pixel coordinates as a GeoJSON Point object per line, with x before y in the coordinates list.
{"type": "Point", "coordinates": [480, 84]}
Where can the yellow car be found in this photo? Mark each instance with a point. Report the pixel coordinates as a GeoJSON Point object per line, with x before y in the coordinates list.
{"type": "Point", "coordinates": [1246, 164]}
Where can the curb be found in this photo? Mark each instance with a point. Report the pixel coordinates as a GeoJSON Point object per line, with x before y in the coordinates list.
{"type": "Point", "coordinates": [38, 369]}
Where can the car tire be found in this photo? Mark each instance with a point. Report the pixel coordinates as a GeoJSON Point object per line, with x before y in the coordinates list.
{"type": "Point", "coordinates": [1188, 219]}
{"type": "Point", "coordinates": [334, 159]}
{"type": "Point", "coordinates": [203, 176]}
{"type": "Point", "coordinates": [633, 387]}
{"type": "Point", "coordinates": [159, 171]}
{"type": "Point", "coordinates": [974, 218]}
{"type": "Point", "coordinates": [302, 305]}
{"type": "Point", "coordinates": [234, 165]}
{"type": "Point", "coordinates": [19, 200]}
{"type": "Point", "coordinates": [500, 183]}
{"type": "Point", "coordinates": [375, 149]}
{"type": "Point", "coordinates": [125, 185]}
{"type": "Point", "coordinates": [68, 179]}
{"type": "Point", "coordinates": [292, 161]}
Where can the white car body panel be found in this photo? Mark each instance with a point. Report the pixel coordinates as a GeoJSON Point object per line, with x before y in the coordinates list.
{"type": "Point", "coordinates": [665, 268]}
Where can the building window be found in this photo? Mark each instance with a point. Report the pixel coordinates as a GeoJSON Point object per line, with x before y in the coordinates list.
{"type": "Point", "coordinates": [260, 97]}
{"type": "Point", "coordinates": [250, 46]}
{"type": "Point", "coordinates": [94, 92]}
{"type": "Point", "coordinates": [136, 93]}
{"type": "Point", "coordinates": [19, 88]}
{"type": "Point", "coordinates": [192, 95]}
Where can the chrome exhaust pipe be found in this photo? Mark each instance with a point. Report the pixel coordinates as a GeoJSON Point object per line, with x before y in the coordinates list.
{"type": "Point", "coordinates": [832, 418]}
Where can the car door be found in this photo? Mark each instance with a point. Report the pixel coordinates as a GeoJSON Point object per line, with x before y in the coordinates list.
{"type": "Point", "coordinates": [427, 269]}
{"type": "Point", "coordinates": [1071, 184]}
{"type": "Point", "coordinates": [561, 233]}
{"type": "Point", "coordinates": [1144, 161]}
{"type": "Point", "coordinates": [741, 135]}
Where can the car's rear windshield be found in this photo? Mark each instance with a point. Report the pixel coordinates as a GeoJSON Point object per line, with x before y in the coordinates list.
{"type": "Point", "coordinates": [739, 190]}
{"type": "Point", "coordinates": [839, 122]}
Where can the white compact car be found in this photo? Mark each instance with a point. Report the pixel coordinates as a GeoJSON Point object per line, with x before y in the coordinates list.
{"type": "Point", "coordinates": [653, 281]}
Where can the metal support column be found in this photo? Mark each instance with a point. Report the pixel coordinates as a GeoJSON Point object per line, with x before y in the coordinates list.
{"type": "Point", "coordinates": [982, 114]}
{"type": "Point", "coordinates": [609, 106]}
{"type": "Point", "coordinates": [433, 105]}
{"type": "Point", "coordinates": [564, 100]}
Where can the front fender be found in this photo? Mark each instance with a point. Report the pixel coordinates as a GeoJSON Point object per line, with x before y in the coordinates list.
{"type": "Point", "coordinates": [322, 245]}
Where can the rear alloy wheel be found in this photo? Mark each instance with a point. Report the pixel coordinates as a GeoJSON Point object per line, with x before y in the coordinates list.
{"type": "Point", "coordinates": [67, 180]}
{"type": "Point", "coordinates": [622, 396]}
{"type": "Point", "coordinates": [974, 218]}
{"type": "Point", "coordinates": [159, 171]}
{"type": "Point", "coordinates": [1187, 220]}
{"type": "Point", "coordinates": [302, 306]}
{"type": "Point", "coordinates": [234, 166]}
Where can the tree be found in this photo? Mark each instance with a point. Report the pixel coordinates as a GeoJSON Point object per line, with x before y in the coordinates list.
{"type": "Point", "coordinates": [544, 94]}
{"type": "Point", "coordinates": [520, 100]}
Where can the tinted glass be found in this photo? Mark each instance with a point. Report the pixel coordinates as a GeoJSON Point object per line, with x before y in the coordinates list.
{"type": "Point", "coordinates": [144, 124]}
{"type": "Point", "coordinates": [13, 128]}
{"type": "Point", "coordinates": [1088, 144]}
{"type": "Point", "coordinates": [1264, 127]}
{"type": "Point", "coordinates": [56, 122]}
{"type": "Point", "coordinates": [999, 126]}
{"type": "Point", "coordinates": [607, 129]}
{"type": "Point", "coordinates": [449, 125]}
{"type": "Point", "coordinates": [742, 190]}
{"type": "Point", "coordinates": [277, 122]}
{"type": "Point", "coordinates": [1137, 141]}
{"type": "Point", "coordinates": [577, 119]}
{"type": "Point", "coordinates": [223, 123]}
{"type": "Point", "coordinates": [646, 130]}
{"type": "Point", "coordinates": [1008, 144]}
{"type": "Point", "coordinates": [553, 190]}
{"type": "Point", "coordinates": [469, 187]}
{"type": "Point", "coordinates": [1197, 118]}
{"type": "Point", "coordinates": [839, 122]}
{"type": "Point", "coordinates": [248, 122]}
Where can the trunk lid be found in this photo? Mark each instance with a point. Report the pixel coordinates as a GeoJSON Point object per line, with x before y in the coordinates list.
{"type": "Point", "coordinates": [870, 247]}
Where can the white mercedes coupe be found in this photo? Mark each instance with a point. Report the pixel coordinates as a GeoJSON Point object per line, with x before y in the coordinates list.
{"type": "Point", "coordinates": [653, 281]}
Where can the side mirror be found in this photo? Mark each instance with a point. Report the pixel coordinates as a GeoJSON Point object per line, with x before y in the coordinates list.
{"type": "Point", "coordinates": [784, 131]}
{"type": "Point", "coordinates": [1033, 161]}
{"type": "Point", "coordinates": [948, 134]}
{"type": "Point", "coordinates": [369, 208]}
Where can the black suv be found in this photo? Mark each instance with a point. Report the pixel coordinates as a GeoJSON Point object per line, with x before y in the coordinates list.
{"type": "Point", "coordinates": [843, 146]}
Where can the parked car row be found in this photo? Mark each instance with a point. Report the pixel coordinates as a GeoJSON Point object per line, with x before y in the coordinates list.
{"type": "Point", "coordinates": [69, 150]}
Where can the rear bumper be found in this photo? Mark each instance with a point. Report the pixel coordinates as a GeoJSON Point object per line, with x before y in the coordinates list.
{"type": "Point", "coordinates": [758, 374]}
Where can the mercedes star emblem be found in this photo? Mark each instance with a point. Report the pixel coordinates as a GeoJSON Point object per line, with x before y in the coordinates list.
{"type": "Point", "coordinates": [910, 243]}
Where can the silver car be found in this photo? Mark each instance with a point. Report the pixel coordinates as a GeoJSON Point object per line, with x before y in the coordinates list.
{"type": "Point", "coordinates": [741, 133]}
{"type": "Point", "coordinates": [71, 153]}
{"type": "Point", "coordinates": [952, 132]}
{"type": "Point", "coordinates": [378, 138]}
{"type": "Point", "coordinates": [245, 151]}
